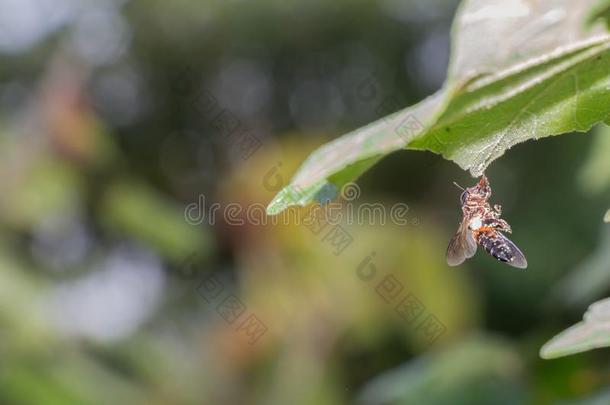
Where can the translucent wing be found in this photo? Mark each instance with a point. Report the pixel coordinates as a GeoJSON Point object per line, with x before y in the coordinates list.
{"type": "Point", "coordinates": [502, 248]}
{"type": "Point", "coordinates": [461, 247]}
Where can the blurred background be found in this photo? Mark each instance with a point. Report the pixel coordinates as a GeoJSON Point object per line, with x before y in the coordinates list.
{"type": "Point", "coordinates": [117, 116]}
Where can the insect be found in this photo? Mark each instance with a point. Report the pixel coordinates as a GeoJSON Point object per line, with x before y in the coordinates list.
{"type": "Point", "coordinates": [481, 225]}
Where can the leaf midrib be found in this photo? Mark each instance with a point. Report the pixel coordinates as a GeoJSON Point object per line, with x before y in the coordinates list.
{"type": "Point", "coordinates": [573, 63]}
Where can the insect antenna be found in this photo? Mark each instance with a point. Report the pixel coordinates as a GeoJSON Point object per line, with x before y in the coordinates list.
{"type": "Point", "coordinates": [458, 186]}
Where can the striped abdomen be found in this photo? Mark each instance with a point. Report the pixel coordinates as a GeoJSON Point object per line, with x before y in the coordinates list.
{"type": "Point", "coordinates": [500, 247]}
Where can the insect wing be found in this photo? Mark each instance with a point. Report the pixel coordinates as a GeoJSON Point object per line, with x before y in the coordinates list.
{"type": "Point", "coordinates": [461, 247]}
{"type": "Point", "coordinates": [502, 249]}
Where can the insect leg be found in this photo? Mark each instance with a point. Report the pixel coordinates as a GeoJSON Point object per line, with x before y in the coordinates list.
{"type": "Point", "coordinates": [497, 224]}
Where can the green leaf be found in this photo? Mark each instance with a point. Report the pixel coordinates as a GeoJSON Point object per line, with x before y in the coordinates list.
{"type": "Point", "coordinates": [495, 97]}
{"type": "Point", "coordinates": [347, 157]}
{"type": "Point", "coordinates": [600, 11]}
{"type": "Point", "coordinates": [593, 332]}
{"type": "Point", "coordinates": [607, 217]}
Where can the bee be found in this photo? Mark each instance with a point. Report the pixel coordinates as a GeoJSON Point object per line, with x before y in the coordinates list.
{"type": "Point", "coordinates": [481, 225]}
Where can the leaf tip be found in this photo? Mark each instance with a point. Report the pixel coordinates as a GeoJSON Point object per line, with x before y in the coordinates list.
{"type": "Point", "coordinates": [280, 202]}
{"type": "Point", "coordinates": [275, 208]}
{"type": "Point", "coordinates": [323, 192]}
{"type": "Point", "coordinates": [289, 196]}
{"type": "Point", "coordinates": [548, 351]}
